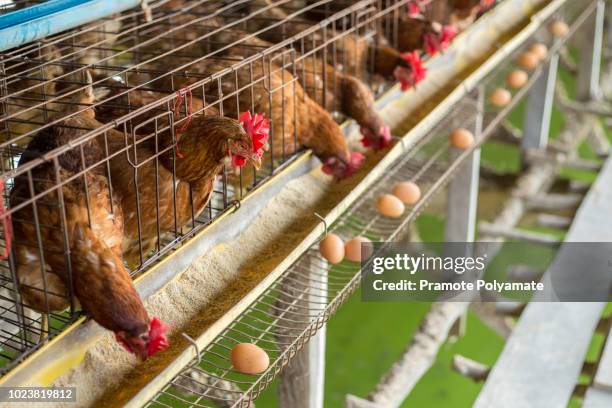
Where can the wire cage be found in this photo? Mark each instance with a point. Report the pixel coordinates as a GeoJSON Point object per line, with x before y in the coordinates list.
{"type": "Point", "coordinates": [296, 306]}
{"type": "Point", "coordinates": [92, 121]}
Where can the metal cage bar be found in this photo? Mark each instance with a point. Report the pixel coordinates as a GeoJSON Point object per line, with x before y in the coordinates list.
{"type": "Point", "coordinates": [144, 80]}
{"type": "Point", "coordinates": [283, 318]}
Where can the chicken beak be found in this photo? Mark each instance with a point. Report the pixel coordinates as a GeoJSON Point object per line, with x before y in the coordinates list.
{"type": "Point", "coordinates": [256, 160]}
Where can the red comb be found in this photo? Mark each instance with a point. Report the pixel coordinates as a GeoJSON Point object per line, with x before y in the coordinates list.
{"type": "Point", "coordinates": [446, 36]}
{"type": "Point", "coordinates": [382, 141]}
{"type": "Point", "coordinates": [414, 9]}
{"type": "Point", "coordinates": [258, 127]}
{"type": "Point", "coordinates": [434, 43]}
{"type": "Point", "coordinates": [341, 170]}
{"type": "Point", "coordinates": [431, 43]}
{"type": "Point", "coordinates": [157, 336]}
{"type": "Point", "coordinates": [410, 77]}
{"type": "Point", "coordinates": [486, 3]}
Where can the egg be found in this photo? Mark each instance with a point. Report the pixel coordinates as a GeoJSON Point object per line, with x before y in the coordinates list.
{"type": "Point", "coordinates": [353, 249]}
{"type": "Point", "coordinates": [461, 138]}
{"type": "Point", "coordinates": [390, 206]}
{"type": "Point", "coordinates": [500, 97]}
{"type": "Point", "coordinates": [408, 192]}
{"type": "Point", "coordinates": [517, 78]}
{"type": "Point", "coordinates": [249, 358]}
{"type": "Point", "coordinates": [332, 248]}
{"type": "Point", "coordinates": [529, 60]}
{"type": "Point", "coordinates": [540, 50]}
{"type": "Point", "coordinates": [558, 28]}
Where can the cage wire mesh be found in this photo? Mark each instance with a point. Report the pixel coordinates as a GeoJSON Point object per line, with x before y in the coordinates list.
{"type": "Point", "coordinates": [292, 310]}
{"type": "Point", "coordinates": [108, 98]}
{"type": "Point", "coordinates": [144, 80]}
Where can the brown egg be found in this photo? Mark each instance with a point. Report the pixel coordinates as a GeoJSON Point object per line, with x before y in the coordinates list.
{"type": "Point", "coordinates": [461, 138]}
{"type": "Point", "coordinates": [353, 249]}
{"type": "Point", "coordinates": [529, 60]}
{"type": "Point", "coordinates": [500, 97]}
{"type": "Point", "coordinates": [558, 28]}
{"type": "Point", "coordinates": [517, 78]}
{"type": "Point", "coordinates": [390, 206]}
{"type": "Point", "coordinates": [408, 192]}
{"type": "Point", "coordinates": [540, 50]}
{"type": "Point", "coordinates": [332, 248]}
{"type": "Point", "coordinates": [249, 358]}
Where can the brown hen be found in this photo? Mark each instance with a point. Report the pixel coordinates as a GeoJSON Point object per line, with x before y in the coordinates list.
{"type": "Point", "coordinates": [173, 194]}
{"type": "Point", "coordinates": [161, 198]}
{"type": "Point", "coordinates": [329, 87]}
{"type": "Point", "coordinates": [295, 119]}
{"type": "Point", "coordinates": [29, 87]}
{"type": "Point", "coordinates": [351, 53]}
{"type": "Point", "coordinates": [68, 241]}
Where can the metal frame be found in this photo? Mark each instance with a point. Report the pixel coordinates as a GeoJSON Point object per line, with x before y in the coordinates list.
{"type": "Point", "coordinates": [538, 111]}
{"type": "Point", "coordinates": [591, 49]}
{"type": "Point", "coordinates": [471, 80]}
{"type": "Point", "coordinates": [33, 91]}
{"type": "Point", "coordinates": [569, 325]}
{"type": "Point", "coordinates": [51, 17]}
{"type": "Point", "coordinates": [346, 225]}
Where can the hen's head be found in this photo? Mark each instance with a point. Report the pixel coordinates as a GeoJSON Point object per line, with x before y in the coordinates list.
{"type": "Point", "coordinates": [251, 145]}
{"type": "Point", "coordinates": [377, 141]}
{"type": "Point", "coordinates": [414, 73]}
{"type": "Point", "coordinates": [322, 134]}
{"type": "Point", "coordinates": [257, 128]}
{"type": "Point", "coordinates": [342, 168]}
{"type": "Point", "coordinates": [146, 340]}
{"type": "Point", "coordinates": [438, 42]}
